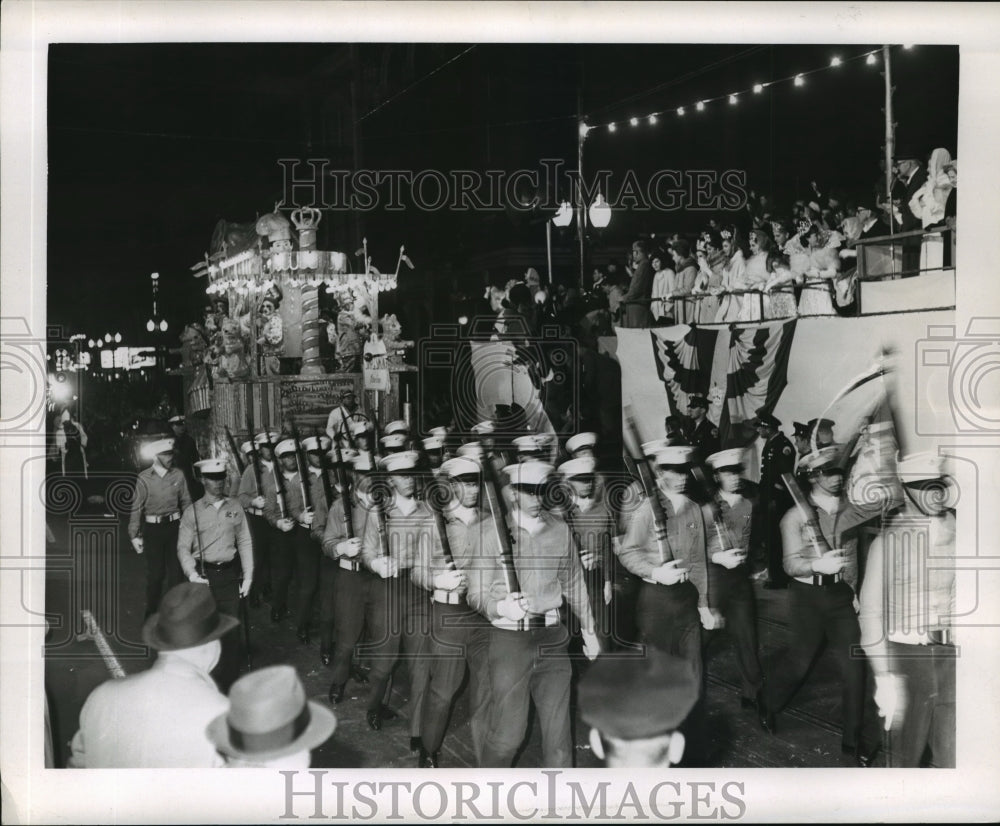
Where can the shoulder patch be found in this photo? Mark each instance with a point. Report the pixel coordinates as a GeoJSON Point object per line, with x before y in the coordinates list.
{"type": "Point", "coordinates": [715, 431]}
{"type": "Point", "coordinates": [787, 451]}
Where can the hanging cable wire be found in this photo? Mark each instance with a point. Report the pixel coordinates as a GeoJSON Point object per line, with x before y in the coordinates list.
{"type": "Point", "coordinates": [419, 80]}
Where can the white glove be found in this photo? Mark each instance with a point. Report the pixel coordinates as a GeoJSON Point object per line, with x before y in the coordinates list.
{"type": "Point", "coordinates": [512, 607]}
{"type": "Point", "coordinates": [137, 544]}
{"type": "Point", "coordinates": [710, 619]}
{"type": "Point", "coordinates": [889, 697]}
{"type": "Point", "coordinates": [195, 577]}
{"type": "Point", "coordinates": [285, 524]}
{"type": "Point", "coordinates": [670, 573]}
{"type": "Point", "coordinates": [832, 562]}
{"type": "Point", "coordinates": [349, 547]}
{"type": "Point", "coordinates": [591, 645]}
{"type": "Point", "coordinates": [245, 586]}
{"type": "Point", "coordinates": [448, 580]}
{"type": "Point", "coordinates": [385, 566]}
{"type": "Point", "coordinates": [257, 502]}
{"type": "Point", "coordinates": [306, 518]}
{"type": "Point", "coordinates": [729, 559]}
{"type": "Point", "coordinates": [588, 559]}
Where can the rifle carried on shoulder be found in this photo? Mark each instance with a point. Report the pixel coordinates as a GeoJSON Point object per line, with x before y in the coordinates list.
{"type": "Point", "coordinates": [279, 478]}
{"type": "Point", "coordinates": [808, 512]}
{"type": "Point", "coordinates": [498, 511]}
{"type": "Point", "coordinates": [301, 464]}
{"type": "Point", "coordinates": [435, 506]}
{"type": "Point", "coordinates": [237, 456]}
{"type": "Point", "coordinates": [650, 488]}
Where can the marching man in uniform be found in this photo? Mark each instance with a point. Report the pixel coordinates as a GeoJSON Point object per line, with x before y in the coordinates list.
{"type": "Point", "coordinates": [458, 634]}
{"type": "Point", "coordinates": [252, 500]}
{"type": "Point", "coordinates": [729, 520]}
{"type": "Point", "coordinates": [214, 548]}
{"type": "Point", "coordinates": [309, 534]}
{"type": "Point", "coordinates": [777, 457]}
{"type": "Point", "coordinates": [528, 641]}
{"type": "Point", "coordinates": [354, 586]}
{"type": "Point", "coordinates": [161, 493]}
{"type": "Point", "coordinates": [283, 512]}
{"type": "Point", "coordinates": [821, 559]}
{"type": "Point", "coordinates": [907, 606]}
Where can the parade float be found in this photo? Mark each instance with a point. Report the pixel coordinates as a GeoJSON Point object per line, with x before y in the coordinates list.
{"type": "Point", "coordinates": [265, 355]}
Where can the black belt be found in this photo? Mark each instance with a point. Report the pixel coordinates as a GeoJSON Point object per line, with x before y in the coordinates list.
{"type": "Point", "coordinates": [221, 566]}
{"type": "Point", "coordinates": [826, 580]}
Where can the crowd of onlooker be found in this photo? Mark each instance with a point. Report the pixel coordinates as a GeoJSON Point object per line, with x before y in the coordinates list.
{"type": "Point", "coordinates": [801, 261]}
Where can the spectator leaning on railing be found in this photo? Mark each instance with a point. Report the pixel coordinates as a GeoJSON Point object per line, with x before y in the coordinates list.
{"type": "Point", "coordinates": [663, 279]}
{"type": "Point", "coordinates": [685, 274]}
{"type": "Point", "coordinates": [733, 276]}
{"type": "Point", "coordinates": [708, 284]}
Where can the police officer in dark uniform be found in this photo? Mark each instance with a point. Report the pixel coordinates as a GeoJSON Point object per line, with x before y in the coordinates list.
{"type": "Point", "coordinates": [185, 454]}
{"type": "Point", "coordinates": [777, 457]}
{"type": "Point", "coordinates": [700, 432]}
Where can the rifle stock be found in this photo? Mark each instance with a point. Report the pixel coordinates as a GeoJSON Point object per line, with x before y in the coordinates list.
{"type": "Point", "coordinates": [652, 492]}
{"type": "Point", "coordinates": [816, 537]}
{"type": "Point", "coordinates": [237, 456]}
{"type": "Point", "coordinates": [498, 511]}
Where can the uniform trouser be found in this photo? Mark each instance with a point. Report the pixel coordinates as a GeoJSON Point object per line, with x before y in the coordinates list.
{"type": "Point", "coordinates": [354, 607]}
{"type": "Point", "coordinates": [667, 618]}
{"type": "Point", "coordinates": [929, 715]}
{"type": "Point", "coordinates": [163, 568]}
{"type": "Point", "coordinates": [459, 635]}
{"type": "Point", "coordinates": [770, 512]}
{"type": "Point", "coordinates": [260, 534]}
{"type": "Point", "coordinates": [816, 612]}
{"type": "Point", "coordinates": [400, 617]}
{"type": "Point", "coordinates": [328, 572]}
{"type": "Point", "coordinates": [525, 666]}
{"type": "Point", "coordinates": [732, 596]}
{"type": "Point", "coordinates": [307, 556]}
{"type": "Point", "coordinates": [283, 549]}
{"type": "Point", "coordinates": [225, 585]}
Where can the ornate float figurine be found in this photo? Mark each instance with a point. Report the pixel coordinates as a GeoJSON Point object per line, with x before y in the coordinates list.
{"type": "Point", "coordinates": [395, 347]}
{"type": "Point", "coordinates": [272, 333]}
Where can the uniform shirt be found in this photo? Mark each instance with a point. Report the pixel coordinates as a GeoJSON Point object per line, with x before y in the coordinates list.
{"type": "Point", "coordinates": [293, 496]}
{"type": "Point", "coordinates": [547, 566]}
{"type": "Point", "coordinates": [595, 526]}
{"type": "Point", "coordinates": [735, 511]}
{"type": "Point", "coordinates": [640, 554]}
{"type": "Point", "coordinates": [704, 435]}
{"type": "Point", "coordinates": [799, 551]}
{"type": "Point", "coordinates": [157, 493]}
{"type": "Point", "coordinates": [410, 531]}
{"type": "Point", "coordinates": [222, 533]}
{"type": "Point", "coordinates": [152, 720]}
{"type": "Point", "coordinates": [909, 584]}
{"type": "Point", "coordinates": [247, 490]}
{"type": "Point", "coordinates": [335, 524]}
{"type": "Point", "coordinates": [317, 500]}
{"type": "Point", "coordinates": [460, 521]}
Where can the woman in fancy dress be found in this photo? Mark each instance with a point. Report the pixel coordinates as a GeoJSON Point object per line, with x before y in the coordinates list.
{"type": "Point", "coordinates": [711, 262]}
{"type": "Point", "coordinates": [824, 266]}
{"type": "Point", "coordinates": [928, 204]}
{"type": "Point", "coordinates": [733, 277]}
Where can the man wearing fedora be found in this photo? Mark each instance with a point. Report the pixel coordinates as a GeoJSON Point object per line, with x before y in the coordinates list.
{"type": "Point", "coordinates": [906, 617]}
{"type": "Point", "coordinates": [157, 719]}
{"type": "Point", "coordinates": [161, 493]}
{"type": "Point", "coordinates": [270, 723]}
{"type": "Point", "coordinates": [820, 557]}
{"type": "Point", "coordinates": [214, 548]}
{"type": "Point", "coordinates": [635, 707]}
{"type": "Point", "coordinates": [528, 641]}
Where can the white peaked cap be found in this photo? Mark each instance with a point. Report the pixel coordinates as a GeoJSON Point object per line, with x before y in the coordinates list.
{"type": "Point", "coordinates": [396, 462]}
{"type": "Point", "coordinates": [584, 466]}
{"type": "Point", "coordinates": [581, 440]}
{"type": "Point", "coordinates": [263, 438]}
{"type": "Point", "coordinates": [530, 474]}
{"type": "Point", "coordinates": [473, 449]}
{"type": "Point", "coordinates": [674, 455]}
{"type": "Point", "coordinates": [532, 443]}
{"type": "Point", "coordinates": [726, 458]}
{"type": "Point", "coordinates": [393, 440]}
{"type": "Point", "coordinates": [246, 447]}
{"type": "Point", "coordinates": [651, 448]}
{"type": "Point", "coordinates": [283, 447]}
{"type": "Point", "coordinates": [362, 461]}
{"type": "Point", "coordinates": [398, 426]}
{"type": "Point", "coordinates": [460, 466]}
{"type": "Point", "coordinates": [433, 442]}
{"type": "Point", "coordinates": [321, 443]}
{"type": "Point", "coordinates": [918, 467]}
{"type": "Point", "coordinates": [160, 446]}
{"type": "Point", "coordinates": [483, 428]}
{"type": "Point", "coordinates": [211, 465]}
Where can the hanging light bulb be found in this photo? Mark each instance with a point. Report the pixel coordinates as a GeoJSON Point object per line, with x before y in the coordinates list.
{"type": "Point", "coordinates": [118, 338]}
{"type": "Point", "coordinates": [150, 325]}
{"type": "Point", "coordinates": [870, 60]}
{"type": "Point", "coordinates": [584, 129]}
{"type": "Point", "coordinates": [732, 99]}
{"type": "Point", "coordinates": [107, 337]}
{"type": "Point", "coordinates": [700, 106]}
{"type": "Point", "coordinates": [90, 343]}
{"type": "Point", "coordinates": [163, 326]}
{"type": "Point", "coordinates": [612, 127]}
{"type": "Point", "coordinates": [835, 62]}
{"type": "Point", "coordinates": [758, 88]}
{"type": "Point", "coordinates": [680, 110]}
{"type": "Point", "coordinates": [600, 212]}
{"type": "Point", "coordinates": [634, 121]}
{"type": "Point", "coordinates": [652, 118]}
{"type": "Point", "coordinates": [799, 80]}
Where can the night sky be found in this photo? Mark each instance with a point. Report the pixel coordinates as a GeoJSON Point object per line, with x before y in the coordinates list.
{"type": "Point", "coordinates": [149, 145]}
